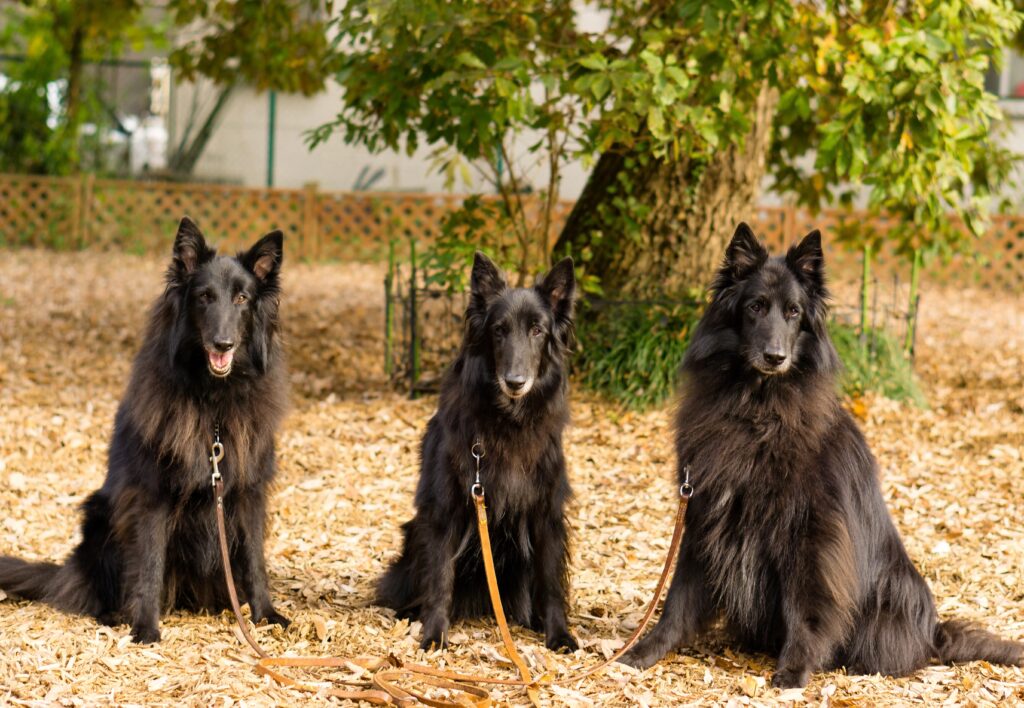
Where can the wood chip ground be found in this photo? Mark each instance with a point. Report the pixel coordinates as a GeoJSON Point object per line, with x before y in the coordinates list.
{"type": "Point", "coordinates": [953, 476]}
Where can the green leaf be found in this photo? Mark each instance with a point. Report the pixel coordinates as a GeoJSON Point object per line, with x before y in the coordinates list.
{"type": "Point", "coordinates": [596, 62]}
{"type": "Point", "coordinates": [467, 58]}
{"type": "Point", "coordinates": [656, 122]}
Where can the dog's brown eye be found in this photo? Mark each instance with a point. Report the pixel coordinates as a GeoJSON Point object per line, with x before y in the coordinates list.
{"type": "Point", "coordinates": [205, 298]}
{"type": "Point", "coordinates": [536, 331]}
{"type": "Point", "coordinates": [240, 298]}
{"type": "Point", "coordinates": [755, 307]}
{"type": "Point", "coordinates": [793, 311]}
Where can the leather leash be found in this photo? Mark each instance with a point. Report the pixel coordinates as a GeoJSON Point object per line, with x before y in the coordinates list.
{"type": "Point", "coordinates": [389, 684]}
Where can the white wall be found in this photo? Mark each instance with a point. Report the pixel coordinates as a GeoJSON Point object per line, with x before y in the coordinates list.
{"type": "Point", "coordinates": [237, 152]}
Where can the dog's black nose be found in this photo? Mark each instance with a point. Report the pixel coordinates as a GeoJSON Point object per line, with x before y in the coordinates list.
{"type": "Point", "coordinates": [515, 382]}
{"type": "Point", "coordinates": [774, 358]}
{"type": "Point", "coordinates": [223, 345]}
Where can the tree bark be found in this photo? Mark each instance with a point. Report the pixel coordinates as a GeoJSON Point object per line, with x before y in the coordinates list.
{"type": "Point", "coordinates": [73, 95]}
{"type": "Point", "coordinates": [694, 206]}
{"type": "Point", "coordinates": [187, 154]}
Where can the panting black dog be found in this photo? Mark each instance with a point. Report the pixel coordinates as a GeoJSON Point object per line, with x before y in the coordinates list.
{"type": "Point", "coordinates": [210, 359]}
{"type": "Point", "coordinates": [506, 391]}
{"type": "Point", "coordinates": [787, 533]}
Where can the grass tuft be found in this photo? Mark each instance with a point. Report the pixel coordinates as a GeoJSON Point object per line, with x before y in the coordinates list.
{"type": "Point", "coordinates": [632, 353]}
{"type": "Point", "coordinates": [881, 366]}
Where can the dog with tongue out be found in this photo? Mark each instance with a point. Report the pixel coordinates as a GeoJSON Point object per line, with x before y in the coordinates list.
{"type": "Point", "coordinates": [210, 366]}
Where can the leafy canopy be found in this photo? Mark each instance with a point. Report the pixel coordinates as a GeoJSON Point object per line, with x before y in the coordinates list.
{"type": "Point", "coordinates": [873, 96]}
{"type": "Point", "coordinates": [265, 44]}
{"type": "Point", "coordinates": [47, 41]}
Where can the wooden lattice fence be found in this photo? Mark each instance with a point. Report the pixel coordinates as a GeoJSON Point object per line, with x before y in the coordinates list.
{"type": "Point", "coordinates": [65, 212]}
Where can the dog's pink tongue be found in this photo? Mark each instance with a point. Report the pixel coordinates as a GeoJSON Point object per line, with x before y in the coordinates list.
{"type": "Point", "coordinates": [220, 361]}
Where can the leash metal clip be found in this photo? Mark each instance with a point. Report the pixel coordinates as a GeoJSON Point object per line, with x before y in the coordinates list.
{"type": "Point", "coordinates": [686, 489]}
{"type": "Point", "coordinates": [217, 450]}
{"type": "Point", "coordinates": [477, 490]}
{"type": "Point", "coordinates": [217, 456]}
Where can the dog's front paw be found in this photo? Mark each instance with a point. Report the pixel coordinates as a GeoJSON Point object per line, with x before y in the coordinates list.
{"type": "Point", "coordinates": [638, 658]}
{"type": "Point", "coordinates": [790, 678]}
{"type": "Point", "coordinates": [435, 635]}
{"type": "Point", "coordinates": [434, 640]}
{"type": "Point", "coordinates": [562, 640]}
{"type": "Point", "coordinates": [108, 619]}
{"type": "Point", "coordinates": [145, 634]}
{"type": "Point", "coordinates": [272, 616]}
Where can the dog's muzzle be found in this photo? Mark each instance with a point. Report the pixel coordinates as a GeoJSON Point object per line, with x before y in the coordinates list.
{"type": "Point", "coordinates": [515, 386]}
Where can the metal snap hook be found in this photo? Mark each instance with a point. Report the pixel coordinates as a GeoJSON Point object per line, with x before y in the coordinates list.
{"type": "Point", "coordinates": [218, 454]}
{"type": "Point", "coordinates": [686, 489]}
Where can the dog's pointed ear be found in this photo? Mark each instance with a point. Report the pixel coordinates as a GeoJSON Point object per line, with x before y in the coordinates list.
{"type": "Point", "coordinates": [265, 256]}
{"type": "Point", "coordinates": [744, 253]}
{"type": "Point", "coordinates": [486, 279]}
{"type": "Point", "coordinates": [190, 249]}
{"type": "Point", "coordinates": [807, 260]}
{"type": "Point", "coordinates": [558, 287]}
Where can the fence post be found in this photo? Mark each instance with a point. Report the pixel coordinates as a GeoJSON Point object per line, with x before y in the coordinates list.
{"type": "Point", "coordinates": [912, 302]}
{"type": "Point", "coordinates": [414, 345]}
{"type": "Point", "coordinates": [865, 287]}
{"type": "Point", "coordinates": [389, 315]}
{"type": "Point", "coordinates": [87, 186]}
{"type": "Point", "coordinates": [310, 223]}
{"type": "Point", "coordinates": [788, 224]}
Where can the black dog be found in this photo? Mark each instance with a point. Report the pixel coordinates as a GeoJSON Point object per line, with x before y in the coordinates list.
{"type": "Point", "coordinates": [209, 359]}
{"type": "Point", "coordinates": [507, 391]}
{"type": "Point", "coordinates": [787, 534]}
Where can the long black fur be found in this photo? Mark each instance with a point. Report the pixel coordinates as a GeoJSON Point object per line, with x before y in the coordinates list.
{"type": "Point", "coordinates": [513, 338]}
{"type": "Point", "coordinates": [149, 535]}
{"type": "Point", "coordinates": [787, 534]}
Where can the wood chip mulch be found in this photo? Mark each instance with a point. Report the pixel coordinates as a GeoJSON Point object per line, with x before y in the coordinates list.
{"type": "Point", "coordinates": [953, 475]}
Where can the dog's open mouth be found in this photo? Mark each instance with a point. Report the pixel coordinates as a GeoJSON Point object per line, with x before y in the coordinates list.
{"type": "Point", "coordinates": [220, 362]}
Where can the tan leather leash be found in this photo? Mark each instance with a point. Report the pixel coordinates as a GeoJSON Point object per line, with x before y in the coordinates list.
{"type": "Point", "coordinates": [384, 685]}
{"type": "Point", "coordinates": [477, 491]}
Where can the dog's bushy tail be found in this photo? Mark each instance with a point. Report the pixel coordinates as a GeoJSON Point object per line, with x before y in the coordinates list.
{"type": "Point", "coordinates": [31, 581]}
{"type": "Point", "coordinates": [960, 641]}
{"type": "Point", "coordinates": [60, 586]}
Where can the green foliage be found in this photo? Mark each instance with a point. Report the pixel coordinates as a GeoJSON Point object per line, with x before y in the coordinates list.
{"type": "Point", "coordinates": [893, 100]}
{"type": "Point", "coordinates": [477, 226]}
{"type": "Point", "coordinates": [51, 43]}
{"type": "Point", "coordinates": [631, 353]}
{"type": "Point", "coordinates": [856, 95]}
{"type": "Point", "coordinates": [881, 366]}
{"type": "Point", "coordinates": [482, 84]}
{"type": "Point", "coordinates": [266, 44]}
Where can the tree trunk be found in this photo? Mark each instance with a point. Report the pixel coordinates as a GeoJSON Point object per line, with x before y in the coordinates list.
{"type": "Point", "coordinates": [73, 96]}
{"type": "Point", "coordinates": [187, 154]}
{"type": "Point", "coordinates": [693, 206]}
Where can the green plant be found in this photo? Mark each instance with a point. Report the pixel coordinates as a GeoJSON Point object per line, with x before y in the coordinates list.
{"type": "Point", "coordinates": [632, 352]}
{"type": "Point", "coordinates": [477, 226]}
{"type": "Point", "coordinates": [881, 366]}
{"type": "Point", "coordinates": [688, 107]}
